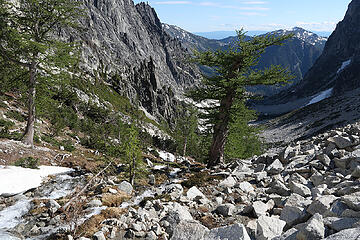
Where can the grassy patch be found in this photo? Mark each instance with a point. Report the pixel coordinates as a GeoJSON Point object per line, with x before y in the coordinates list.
{"type": "Point", "coordinates": [199, 179]}
{"type": "Point", "coordinates": [28, 162]}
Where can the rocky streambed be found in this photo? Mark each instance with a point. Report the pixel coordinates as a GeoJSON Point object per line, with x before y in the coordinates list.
{"type": "Point", "coordinates": [310, 189]}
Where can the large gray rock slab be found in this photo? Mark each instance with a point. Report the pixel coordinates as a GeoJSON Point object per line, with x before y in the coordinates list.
{"type": "Point", "coordinates": [294, 210]}
{"type": "Point", "coordinates": [228, 182]}
{"type": "Point", "coordinates": [321, 205]}
{"type": "Point", "coordinates": [275, 168]}
{"type": "Point", "coordinates": [339, 224]}
{"type": "Point", "coordinates": [348, 234]}
{"type": "Point", "coordinates": [233, 232]}
{"type": "Point", "coordinates": [340, 142]}
{"type": "Point", "coordinates": [186, 230]}
{"type": "Point", "coordinates": [313, 229]}
{"type": "Point", "coordinates": [269, 227]}
{"type": "Point", "coordinates": [352, 200]}
{"type": "Point", "coordinates": [193, 193]}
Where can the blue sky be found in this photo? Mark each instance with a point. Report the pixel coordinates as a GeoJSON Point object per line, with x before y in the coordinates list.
{"type": "Point", "coordinates": [264, 15]}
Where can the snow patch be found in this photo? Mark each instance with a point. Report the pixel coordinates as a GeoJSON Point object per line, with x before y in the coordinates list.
{"type": "Point", "coordinates": [321, 96]}
{"type": "Point", "coordinates": [169, 157]}
{"type": "Point", "coordinates": [15, 180]}
{"type": "Point", "coordinates": [11, 216]}
{"type": "Point", "coordinates": [344, 65]}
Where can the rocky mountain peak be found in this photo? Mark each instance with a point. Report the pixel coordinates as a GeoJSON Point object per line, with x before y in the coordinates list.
{"type": "Point", "coordinates": [304, 35]}
{"type": "Point", "coordinates": [337, 66]}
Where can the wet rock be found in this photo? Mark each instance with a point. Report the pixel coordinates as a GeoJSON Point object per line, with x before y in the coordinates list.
{"type": "Point", "coordinates": [313, 229]}
{"type": "Point", "coordinates": [269, 227]}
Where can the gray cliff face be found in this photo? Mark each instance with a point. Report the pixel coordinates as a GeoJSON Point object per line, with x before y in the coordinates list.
{"type": "Point", "coordinates": [338, 66]}
{"type": "Point", "coordinates": [125, 45]}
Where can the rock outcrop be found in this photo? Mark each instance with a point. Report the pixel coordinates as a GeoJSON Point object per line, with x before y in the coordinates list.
{"type": "Point", "coordinates": [338, 65]}
{"type": "Point", "coordinates": [124, 45]}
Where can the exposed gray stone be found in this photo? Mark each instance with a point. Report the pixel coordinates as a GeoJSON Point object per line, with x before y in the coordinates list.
{"type": "Point", "coordinates": [324, 159]}
{"type": "Point", "coordinates": [321, 205]}
{"type": "Point", "coordinates": [125, 187]}
{"type": "Point", "coordinates": [246, 187]}
{"type": "Point", "coordinates": [260, 208]}
{"type": "Point", "coordinates": [300, 189]}
{"type": "Point", "coordinates": [194, 192]}
{"type": "Point", "coordinates": [99, 236]}
{"type": "Point", "coordinates": [228, 182]}
{"type": "Point", "coordinates": [356, 172]}
{"type": "Point", "coordinates": [352, 200]}
{"type": "Point", "coordinates": [269, 227]}
{"type": "Point", "coordinates": [288, 235]}
{"type": "Point", "coordinates": [313, 229]}
{"type": "Point", "coordinates": [339, 224]}
{"type": "Point", "coordinates": [348, 234]}
{"type": "Point", "coordinates": [225, 210]}
{"type": "Point", "coordinates": [233, 232]}
{"type": "Point", "coordinates": [94, 203]}
{"type": "Point", "coordinates": [279, 188]}
{"type": "Point", "coordinates": [294, 210]}
{"type": "Point", "coordinates": [186, 230]}
{"type": "Point", "coordinates": [340, 142]}
{"type": "Point", "coordinates": [275, 168]}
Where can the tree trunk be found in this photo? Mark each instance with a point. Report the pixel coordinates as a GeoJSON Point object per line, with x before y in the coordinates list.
{"type": "Point", "coordinates": [185, 145]}
{"type": "Point", "coordinates": [216, 154]}
{"type": "Point", "coordinates": [132, 173]}
{"type": "Point", "coordinates": [28, 137]}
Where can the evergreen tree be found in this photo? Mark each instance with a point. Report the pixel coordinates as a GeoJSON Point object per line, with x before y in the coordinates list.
{"type": "Point", "coordinates": [132, 150]}
{"type": "Point", "coordinates": [234, 70]}
{"type": "Point", "coordinates": [28, 39]}
{"type": "Point", "coordinates": [186, 129]}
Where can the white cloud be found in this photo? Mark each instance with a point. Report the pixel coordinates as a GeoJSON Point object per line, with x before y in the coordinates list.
{"type": "Point", "coordinates": [173, 2]}
{"type": "Point", "coordinates": [254, 2]}
{"type": "Point", "coordinates": [318, 26]}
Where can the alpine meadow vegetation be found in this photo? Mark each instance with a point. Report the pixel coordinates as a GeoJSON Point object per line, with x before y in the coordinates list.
{"type": "Point", "coordinates": [224, 93]}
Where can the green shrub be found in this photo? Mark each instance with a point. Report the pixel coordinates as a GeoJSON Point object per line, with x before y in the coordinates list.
{"type": "Point", "coordinates": [5, 123]}
{"type": "Point", "coordinates": [68, 146]}
{"type": "Point", "coordinates": [28, 162]}
{"type": "Point", "coordinates": [15, 115]}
